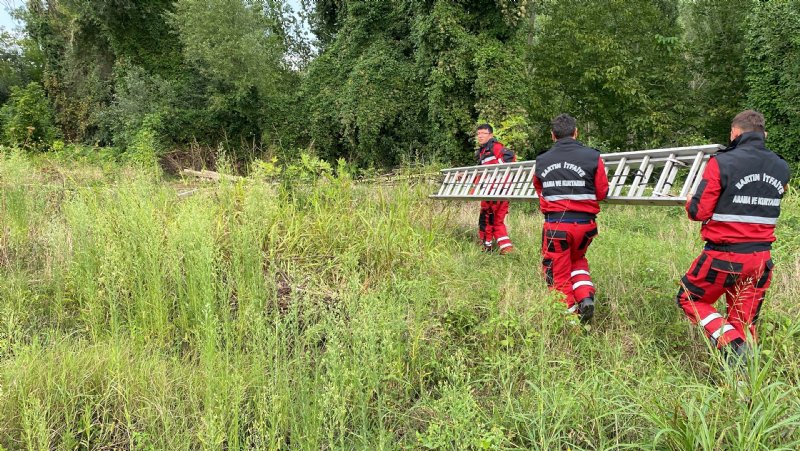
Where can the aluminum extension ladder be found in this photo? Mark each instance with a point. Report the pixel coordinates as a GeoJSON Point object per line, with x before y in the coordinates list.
{"type": "Point", "coordinates": [629, 177]}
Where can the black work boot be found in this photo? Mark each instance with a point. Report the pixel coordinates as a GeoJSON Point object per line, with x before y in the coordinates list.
{"type": "Point", "coordinates": [586, 309]}
{"type": "Point", "coordinates": [737, 354]}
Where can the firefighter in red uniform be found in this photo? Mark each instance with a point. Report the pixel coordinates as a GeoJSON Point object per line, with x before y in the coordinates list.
{"type": "Point", "coordinates": [738, 200]}
{"type": "Point", "coordinates": [491, 223]}
{"type": "Point", "coordinates": [570, 180]}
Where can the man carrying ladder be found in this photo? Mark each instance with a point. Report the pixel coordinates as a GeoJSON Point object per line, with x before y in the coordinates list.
{"type": "Point", "coordinates": [739, 201]}
{"type": "Point", "coordinates": [570, 180]}
{"type": "Point", "coordinates": [491, 222]}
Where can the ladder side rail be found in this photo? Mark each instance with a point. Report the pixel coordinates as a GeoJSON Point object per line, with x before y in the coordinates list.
{"type": "Point", "coordinates": [686, 150]}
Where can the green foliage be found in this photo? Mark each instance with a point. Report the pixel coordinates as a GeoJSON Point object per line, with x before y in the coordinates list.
{"type": "Point", "coordinates": [141, 101]}
{"type": "Point", "coordinates": [361, 93]}
{"type": "Point", "coordinates": [308, 169]}
{"type": "Point", "coordinates": [772, 63]}
{"type": "Point", "coordinates": [406, 81]}
{"type": "Point", "coordinates": [513, 133]}
{"type": "Point", "coordinates": [716, 39]}
{"type": "Point", "coordinates": [296, 173]}
{"type": "Point", "coordinates": [265, 170]}
{"type": "Point", "coordinates": [240, 48]}
{"type": "Point", "coordinates": [27, 118]}
{"type": "Point", "coordinates": [20, 63]}
{"type": "Point", "coordinates": [144, 148]}
{"type": "Point", "coordinates": [617, 68]}
{"type": "Point", "coordinates": [231, 42]}
{"type": "Point", "coordinates": [217, 70]}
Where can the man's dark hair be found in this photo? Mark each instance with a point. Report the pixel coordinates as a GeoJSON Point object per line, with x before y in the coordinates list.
{"type": "Point", "coordinates": [749, 121]}
{"type": "Point", "coordinates": [486, 127]}
{"type": "Point", "coordinates": [563, 126]}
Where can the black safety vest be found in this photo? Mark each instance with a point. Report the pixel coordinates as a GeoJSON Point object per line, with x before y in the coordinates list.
{"type": "Point", "coordinates": [752, 178]}
{"type": "Point", "coordinates": [486, 152]}
{"type": "Point", "coordinates": [567, 170]}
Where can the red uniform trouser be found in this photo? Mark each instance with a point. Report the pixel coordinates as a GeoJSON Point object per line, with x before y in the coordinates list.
{"type": "Point", "coordinates": [564, 263]}
{"type": "Point", "coordinates": [742, 277]}
{"type": "Point", "coordinates": [491, 224]}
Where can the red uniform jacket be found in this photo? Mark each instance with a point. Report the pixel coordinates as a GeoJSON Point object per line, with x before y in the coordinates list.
{"type": "Point", "coordinates": [739, 196]}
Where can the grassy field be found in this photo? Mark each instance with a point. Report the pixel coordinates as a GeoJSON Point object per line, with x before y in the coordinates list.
{"type": "Point", "coordinates": [343, 316]}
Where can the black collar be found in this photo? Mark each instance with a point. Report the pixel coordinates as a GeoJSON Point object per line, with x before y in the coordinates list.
{"type": "Point", "coordinates": [752, 138]}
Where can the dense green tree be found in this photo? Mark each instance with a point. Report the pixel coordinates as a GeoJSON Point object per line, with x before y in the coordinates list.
{"type": "Point", "coordinates": [619, 68]}
{"type": "Point", "coordinates": [401, 79]}
{"type": "Point", "coordinates": [716, 38]}
{"type": "Point", "coordinates": [186, 70]}
{"type": "Point", "coordinates": [773, 64]}
{"type": "Point", "coordinates": [20, 62]}
{"type": "Point", "coordinates": [390, 81]}
{"type": "Point", "coordinates": [81, 41]}
{"type": "Point", "coordinates": [243, 49]}
{"type": "Point", "coordinates": [617, 65]}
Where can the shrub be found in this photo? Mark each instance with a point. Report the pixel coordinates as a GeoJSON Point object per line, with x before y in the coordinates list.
{"type": "Point", "coordinates": [27, 118]}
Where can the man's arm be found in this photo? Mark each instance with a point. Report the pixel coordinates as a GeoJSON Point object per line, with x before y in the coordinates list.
{"type": "Point", "coordinates": [538, 185]}
{"type": "Point", "coordinates": [700, 206]}
{"type": "Point", "coordinates": [600, 181]}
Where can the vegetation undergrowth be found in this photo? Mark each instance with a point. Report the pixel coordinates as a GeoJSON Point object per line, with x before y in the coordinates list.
{"type": "Point", "coordinates": [333, 314]}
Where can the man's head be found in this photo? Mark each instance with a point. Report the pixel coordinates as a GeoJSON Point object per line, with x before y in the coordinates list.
{"type": "Point", "coordinates": [747, 121]}
{"type": "Point", "coordinates": [564, 126]}
{"type": "Point", "coordinates": [484, 133]}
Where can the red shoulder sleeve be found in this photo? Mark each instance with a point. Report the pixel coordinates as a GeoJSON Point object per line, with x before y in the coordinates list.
{"type": "Point", "coordinates": [601, 180]}
{"type": "Point", "coordinates": [702, 203]}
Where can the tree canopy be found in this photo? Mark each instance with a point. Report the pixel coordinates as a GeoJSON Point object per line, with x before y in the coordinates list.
{"type": "Point", "coordinates": [384, 82]}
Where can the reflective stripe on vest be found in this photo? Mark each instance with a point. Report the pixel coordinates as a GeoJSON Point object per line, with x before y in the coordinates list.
{"type": "Point", "coordinates": [744, 219]}
{"type": "Point", "coordinates": [570, 197]}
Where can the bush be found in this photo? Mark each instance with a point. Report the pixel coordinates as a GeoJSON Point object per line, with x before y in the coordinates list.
{"type": "Point", "coordinates": [144, 148]}
{"type": "Point", "coordinates": [27, 118]}
{"type": "Point", "coordinates": [140, 101]}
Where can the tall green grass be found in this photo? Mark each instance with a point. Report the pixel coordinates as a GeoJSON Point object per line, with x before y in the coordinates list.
{"type": "Point", "coordinates": [338, 315]}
